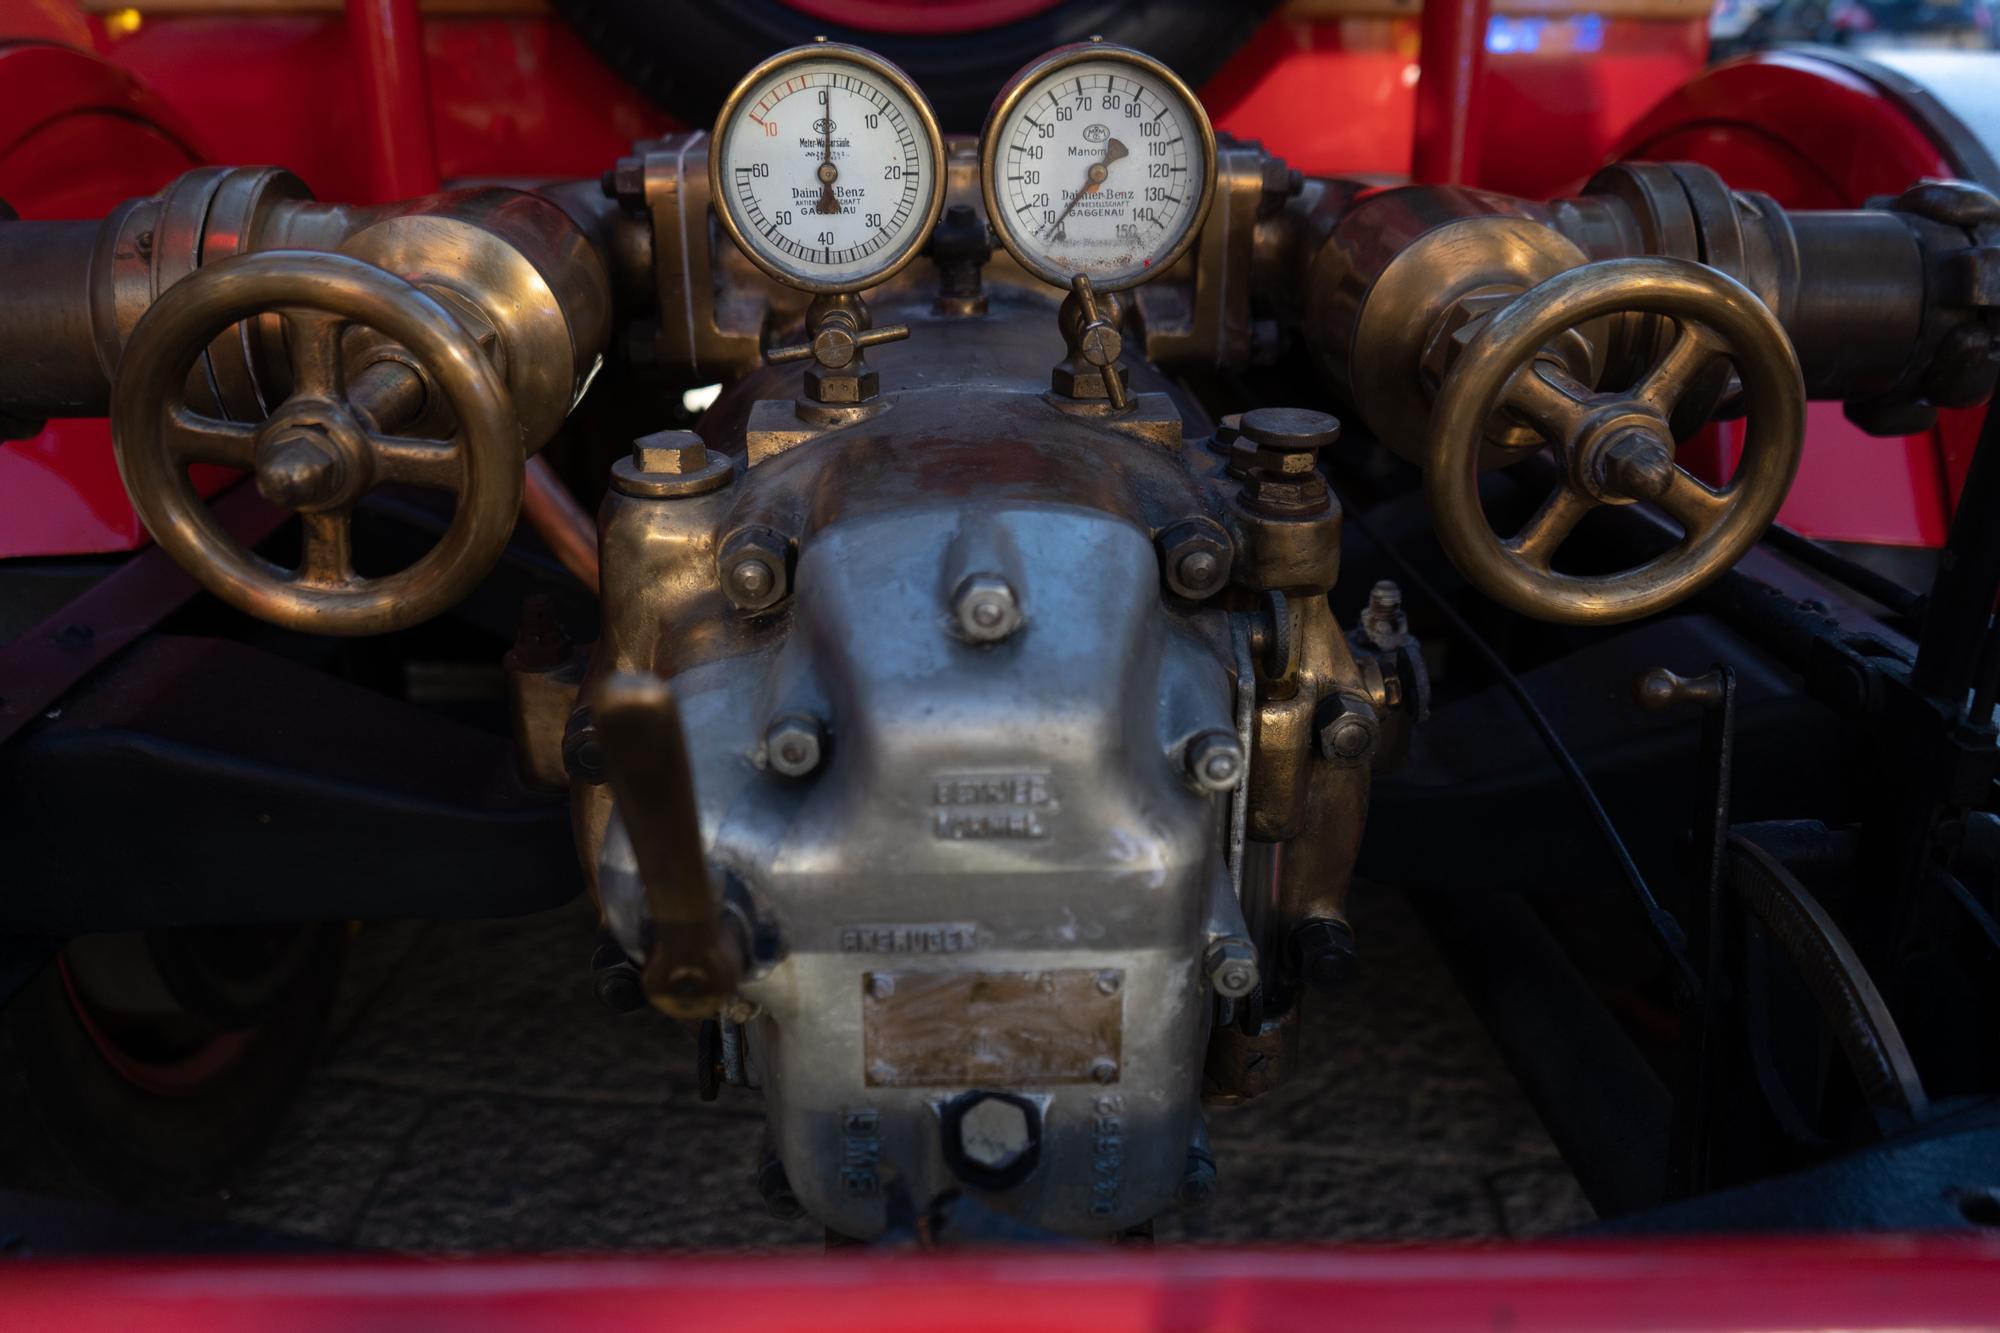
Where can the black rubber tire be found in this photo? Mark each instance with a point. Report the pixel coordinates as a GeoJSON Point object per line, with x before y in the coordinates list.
{"type": "Point", "coordinates": [687, 54]}
{"type": "Point", "coordinates": [71, 1124]}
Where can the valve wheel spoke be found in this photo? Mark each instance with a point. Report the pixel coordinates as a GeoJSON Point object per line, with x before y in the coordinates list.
{"type": "Point", "coordinates": [1693, 350]}
{"type": "Point", "coordinates": [328, 558]}
{"type": "Point", "coordinates": [435, 465]}
{"type": "Point", "coordinates": [312, 340]}
{"type": "Point", "coordinates": [1693, 503]}
{"type": "Point", "coordinates": [1553, 402]}
{"type": "Point", "coordinates": [1537, 541]}
{"type": "Point", "coordinates": [194, 438]}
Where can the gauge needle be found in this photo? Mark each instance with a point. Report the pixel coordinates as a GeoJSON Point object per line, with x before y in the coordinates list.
{"type": "Point", "coordinates": [828, 173]}
{"type": "Point", "coordinates": [1093, 180]}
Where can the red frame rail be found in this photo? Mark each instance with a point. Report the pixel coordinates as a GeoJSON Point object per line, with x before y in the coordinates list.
{"type": "Point", "coordinates": [1832, 1282]}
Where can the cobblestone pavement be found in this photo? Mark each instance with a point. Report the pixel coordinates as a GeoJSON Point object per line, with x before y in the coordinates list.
{"type": "Point", "coordinates": [474, 1096]}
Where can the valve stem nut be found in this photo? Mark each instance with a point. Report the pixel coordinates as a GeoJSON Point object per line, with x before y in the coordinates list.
{"type": "Point", "coordinates": [794, 743]}
{"type": "Point", "coordinates": [1347, 730]}
{"type": "Point", "coordinates": [1215, 761]}
{"type": "Point", "coordinates": [1231, 967]}
{"type": "Point", "coordinates": [753, 567]}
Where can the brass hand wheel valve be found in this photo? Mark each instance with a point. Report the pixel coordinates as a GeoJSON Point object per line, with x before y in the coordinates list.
{"type": "Point", "coordinates": [1615, 448]}
{"type": "Point", "coordinates": [326, 445]}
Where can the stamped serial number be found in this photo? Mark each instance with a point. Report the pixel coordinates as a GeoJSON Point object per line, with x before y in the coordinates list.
{"type": "Point", "coordinates": [969, 806]}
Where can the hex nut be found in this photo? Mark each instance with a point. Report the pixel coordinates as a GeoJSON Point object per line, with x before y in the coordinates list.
{"type": "Point", "coordinates": [793, 744]}
{"type": "Point", "coordinates": [1347, 730]}
{"type": "Point", "coordinates": [1231, 967]}
{"type": "Point", "coordinates": [753, 567]}
{"type": "Point", "coordinates": [985, 608]}
{"type": "Point", "coordinates": [1215, 761]}
{"type": "Point", "coordinates": [1323, 949]}
{"type": "Point", "coordinates": [1195, 557]}
{"type": "Point", "coordinates": [994, 1133]}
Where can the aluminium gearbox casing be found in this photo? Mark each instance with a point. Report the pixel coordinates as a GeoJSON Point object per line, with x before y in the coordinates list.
{"type": "Point", "coordinates": [1002, 831]}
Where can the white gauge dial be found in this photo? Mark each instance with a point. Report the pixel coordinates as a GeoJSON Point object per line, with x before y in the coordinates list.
{"type": "Point", "coordinates": [1098, 161]}
{"type": "Point", "coordinates": [827, 168]}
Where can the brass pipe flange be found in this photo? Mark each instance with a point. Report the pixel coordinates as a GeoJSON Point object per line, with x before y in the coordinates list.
{"type": "Point", "coordinates": [1616, 448]}
{"type": "Point", "coordinates": [316, 453]}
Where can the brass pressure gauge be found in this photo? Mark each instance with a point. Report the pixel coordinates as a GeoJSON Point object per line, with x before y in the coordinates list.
{"type": "Point", "coordinates": [1097, 160]}
{"type": "Point", "coordinates": [827, 168]}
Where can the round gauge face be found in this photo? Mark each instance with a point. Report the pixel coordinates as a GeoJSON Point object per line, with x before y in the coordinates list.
{"type": "Point", "coordinates": [1098, 162]}
{"type": "Point", "coordinates": [827, 168]}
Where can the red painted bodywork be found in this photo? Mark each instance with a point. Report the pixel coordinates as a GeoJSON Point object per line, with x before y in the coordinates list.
{"type": "Point", "coordinates": [1814, 135]}
{"type": "Point", "coordinates": [1845, 1283]}
{"type": "Point", "coordinates": [77, 137]}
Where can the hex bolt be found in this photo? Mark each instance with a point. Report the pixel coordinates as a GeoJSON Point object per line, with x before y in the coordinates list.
{"type": "Point", "coordinates": [1347, 730]}
{"type": "Point", "coordinates": [1109, 982]}
{"type": "Point", "coordinates": [615, 980]}
{"type": "Point", "coordinates": [1324, 950]}
{"type": "Point", "coordinates": [1231, 967]}
{"type": "Point", "coordinates": [881, 985]}
{"type": "Point", "coordinates": [751, 565]}
{"type": "Point", "coordinates": [995, 1133]}
{"type": "Point", "coordinates": [793, 744]}
{"type": "Point", "coordinates": [1215, 761]}
{"type": "Point", "coordinates": [670, 453]}
{"type": "Point", "coordinates": [1104, 1069]}
{"type": "Point", "coordinates": [583, 757]}
{"type": "Point", "coordinates": [985, 607]}
{"type": "Point", "coordinates": [1383, 621]}
{"type": "Point", "coordinates": [1197, 1185]}
{"type": "Point", "coordinates": [1195, 556]}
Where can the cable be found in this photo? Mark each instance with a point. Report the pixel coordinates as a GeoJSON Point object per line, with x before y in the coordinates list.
{"type": "Point", "coordinates": [1665, 928]}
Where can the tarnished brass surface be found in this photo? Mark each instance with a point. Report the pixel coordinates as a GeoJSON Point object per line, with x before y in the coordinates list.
{"type": "Point", "coordinates": [991, 1029]}
{"type": "Point", "coordinates": [692, 964]}
{"type": "Point", "coordinates": [318, 296]}
{"type": "Point", "coordinates": [523, 269]}
{"type": "Point", "coordinates": [1375, 337]}
{"type": "Point", "coordinates": [1617, 448]}
{"type": "Point", "coordinates": [1198, 315]}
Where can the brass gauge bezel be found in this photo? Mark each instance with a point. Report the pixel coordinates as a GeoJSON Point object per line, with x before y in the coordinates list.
{"type": "Point", "coordinates": [1030, 77]}
{"type": "Point", "coordinates": [877, 67]}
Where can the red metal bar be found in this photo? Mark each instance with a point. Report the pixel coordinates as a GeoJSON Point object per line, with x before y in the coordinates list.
{"type": "Point", "coordinates": [1451, 55]}
{"type": "Point", "coordinates": [1855, 1283]}
{"type": "Point", "coordinates": [387, 37]}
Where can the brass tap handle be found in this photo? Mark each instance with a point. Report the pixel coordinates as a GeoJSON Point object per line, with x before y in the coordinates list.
{"type": "Point", "coordinates": [836, 342]}
{"type": "Point", "coordinates": [325, 446]}
{"type": "Point", "coordinates": [1097, 340]}
{"type": "Point", "coordinates": [692, 965]}
{"type": "Point", "coordinates": [1615, 447]}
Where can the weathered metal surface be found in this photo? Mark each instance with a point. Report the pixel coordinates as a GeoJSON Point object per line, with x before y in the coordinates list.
{"type": "Point", "coordinates": [991, 1029]}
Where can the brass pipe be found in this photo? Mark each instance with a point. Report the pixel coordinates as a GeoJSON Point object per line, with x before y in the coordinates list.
{"type": "Point", "coordinates": [392, 395]}
{"type": "Point", "coordinates": [691, 966]}
{"type": "Point", "coordinates": [564, 524]}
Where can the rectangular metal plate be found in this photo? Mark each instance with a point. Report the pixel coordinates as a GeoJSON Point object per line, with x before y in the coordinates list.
{"type": "Point", "coordinates": [992, 1029]}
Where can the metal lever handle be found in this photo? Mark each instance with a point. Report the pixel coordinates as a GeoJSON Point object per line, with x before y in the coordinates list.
{"type": "Point", "coordinates": [836, 342]}
{"type": "Point", "coordinates": [1097, 341]}
{"type": "Point", "coordinates": [692, 965]}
